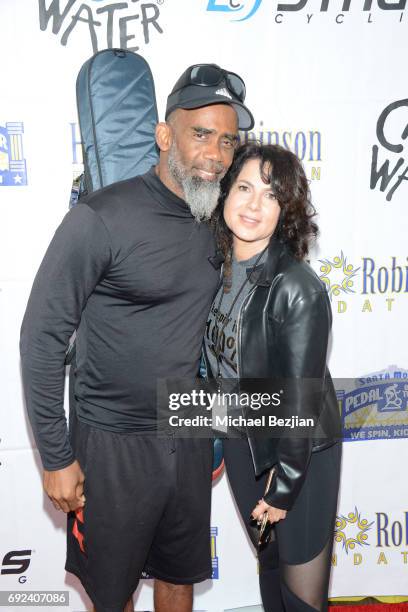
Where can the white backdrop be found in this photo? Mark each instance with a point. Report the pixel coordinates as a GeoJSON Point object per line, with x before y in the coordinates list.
{"type": "Point", "coordinates": [319, 75]}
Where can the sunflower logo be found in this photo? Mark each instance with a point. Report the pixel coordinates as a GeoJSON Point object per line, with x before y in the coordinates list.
{"type": "Point", "coordinates": [352, 522]}
{"type": "Point", "coordinates": [342, 274]}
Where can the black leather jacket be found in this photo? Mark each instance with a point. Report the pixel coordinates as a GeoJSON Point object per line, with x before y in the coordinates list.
{"type": "Point", "coordinates": [282, 332]}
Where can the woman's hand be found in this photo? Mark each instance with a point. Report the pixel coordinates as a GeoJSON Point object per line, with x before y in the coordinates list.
{"type": "Point", "coordinates": [274, 514]}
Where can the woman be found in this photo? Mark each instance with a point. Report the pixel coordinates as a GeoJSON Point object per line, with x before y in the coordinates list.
{"type": "Point", "coordinates": [271, 319]}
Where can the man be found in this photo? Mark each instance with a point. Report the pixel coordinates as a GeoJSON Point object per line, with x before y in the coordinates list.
{"type": "Point", "coordinates": [131, 268]}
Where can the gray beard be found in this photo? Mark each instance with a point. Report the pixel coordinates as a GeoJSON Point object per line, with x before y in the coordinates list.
{"type": "Point", "coordinates": [200, 195]}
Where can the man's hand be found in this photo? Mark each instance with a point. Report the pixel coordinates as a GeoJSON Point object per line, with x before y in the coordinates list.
{"type": "Point", "coordinates": [65, 487]}
{"type": "Point", "coordinates": [274, 514]}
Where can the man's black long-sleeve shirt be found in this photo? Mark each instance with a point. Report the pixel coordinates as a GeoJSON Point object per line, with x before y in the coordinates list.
{"type": "Point", "coordinates": [128, 268]}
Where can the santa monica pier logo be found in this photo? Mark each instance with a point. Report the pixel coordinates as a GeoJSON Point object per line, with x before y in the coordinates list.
{"type": "Point", "coordinates": [351, 531]}
{"type": "Point", "coordinates": [13, 171]}
{"type": "Point", "coordinates": [377, 407]}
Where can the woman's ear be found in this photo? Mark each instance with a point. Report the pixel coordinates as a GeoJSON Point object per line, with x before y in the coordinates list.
{"type": "Point", "coordinates": [164, 136]}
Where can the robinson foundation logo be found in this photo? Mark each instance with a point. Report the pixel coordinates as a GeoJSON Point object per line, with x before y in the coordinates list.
{"type": "Point", "coordinates": [306, 143]}
{"type": "Point", "coordinates": [338, 275]}
{"type": "Point", "coordinates": [379, 538]}
{"type": "Point", "coordinates": [366, 284]}
{"type": "Point", "coordinates": [351, 531]}
{"type": "Point", "coordinates": [368, 11]}
{"type": "Point", "coordinates": [108, 24]}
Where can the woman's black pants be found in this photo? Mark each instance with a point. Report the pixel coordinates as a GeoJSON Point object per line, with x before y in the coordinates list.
{"type": "Point", "coordinates": [294, 568]}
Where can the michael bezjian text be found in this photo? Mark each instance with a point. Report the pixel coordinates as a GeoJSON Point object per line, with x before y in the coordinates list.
{"type": "Point", "coordinates": [240, 421]}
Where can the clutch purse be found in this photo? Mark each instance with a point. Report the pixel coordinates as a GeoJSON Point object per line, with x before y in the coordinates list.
{"type": "Point", "coordinates": [264, 527]}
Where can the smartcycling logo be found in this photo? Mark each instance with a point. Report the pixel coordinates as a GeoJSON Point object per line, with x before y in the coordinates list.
{"type": "Point", "coordinates": [235, 6]}
{"type": "Point", "coordinates": [370, 10]}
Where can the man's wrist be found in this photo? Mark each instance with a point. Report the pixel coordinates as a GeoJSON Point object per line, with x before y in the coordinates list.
{"type": "Point", "coordinates": [54, 467]}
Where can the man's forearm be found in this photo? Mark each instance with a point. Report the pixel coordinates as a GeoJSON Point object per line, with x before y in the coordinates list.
{"type": "Point", "coordinates": [43, 374]}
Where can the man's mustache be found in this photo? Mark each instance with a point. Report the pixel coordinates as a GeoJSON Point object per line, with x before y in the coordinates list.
{"type": "Point", "coordinates": [216, 168]}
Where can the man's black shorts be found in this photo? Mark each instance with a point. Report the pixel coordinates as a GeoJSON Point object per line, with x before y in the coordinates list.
{"type": "Point", "coordinates": [147, 509]}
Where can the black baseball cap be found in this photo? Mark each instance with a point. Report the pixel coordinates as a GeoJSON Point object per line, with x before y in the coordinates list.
{"type": "Point", "coordinates": [206, 84]}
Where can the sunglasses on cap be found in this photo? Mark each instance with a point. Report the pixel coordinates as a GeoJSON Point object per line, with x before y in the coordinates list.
{"type": "Point", "coordinates": [210, 75]}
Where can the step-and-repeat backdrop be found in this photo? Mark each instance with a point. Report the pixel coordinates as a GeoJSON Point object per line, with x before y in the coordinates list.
{"type": "Point", "coordinates": [326, 78]}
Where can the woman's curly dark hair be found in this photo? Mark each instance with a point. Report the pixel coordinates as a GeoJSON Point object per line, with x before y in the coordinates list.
{"type": "Point", "coordinates": [283, 171]}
